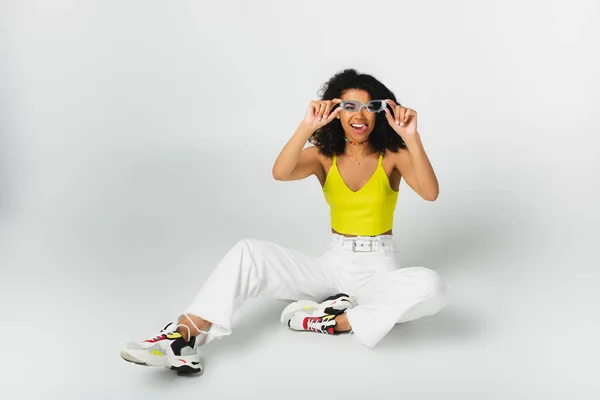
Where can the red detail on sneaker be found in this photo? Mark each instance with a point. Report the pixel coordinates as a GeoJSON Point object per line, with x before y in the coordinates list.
{"type": "Point", "coordinates": [156, 339]}
{"type": "Point", "coordinates": [183, 361]}
{"type": "Point", "coordinates": [331, 330]}
{"type": "Point", "coordinates": [310, 319]}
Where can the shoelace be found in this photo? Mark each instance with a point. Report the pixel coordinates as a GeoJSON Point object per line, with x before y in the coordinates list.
{"type": "Point", "coordinates": [316, 325]}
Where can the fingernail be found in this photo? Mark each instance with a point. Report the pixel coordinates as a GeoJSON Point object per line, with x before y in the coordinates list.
{"type": "Point", "coordinates": [325, 116]}
{"type": "Point", "coordinates": [397, 122]}
{"type": "Point", "coordinates": [401, 123]}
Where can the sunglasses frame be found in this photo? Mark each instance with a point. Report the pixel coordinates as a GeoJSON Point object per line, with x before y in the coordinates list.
{"type": "Point", "coordinates": [363, 105]}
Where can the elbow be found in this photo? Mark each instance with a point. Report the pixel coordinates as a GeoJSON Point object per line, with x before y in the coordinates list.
{"type": "Point", "coordinates": [431, 196]}
{"type": "Point", "coordinates": [277, 175]}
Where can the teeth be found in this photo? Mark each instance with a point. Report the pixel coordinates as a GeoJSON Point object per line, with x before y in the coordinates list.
{"type": "Point", "coordinates": [357, 125]}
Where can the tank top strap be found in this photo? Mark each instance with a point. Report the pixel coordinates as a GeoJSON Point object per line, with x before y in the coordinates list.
{"type": "Point", "coordinates": [380, 161]}
{"type": "Point", "coordinates": [334, 159]}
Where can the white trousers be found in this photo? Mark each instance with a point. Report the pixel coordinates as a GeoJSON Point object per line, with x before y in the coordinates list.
{"type": "Point", "coordinates": [386, 294]}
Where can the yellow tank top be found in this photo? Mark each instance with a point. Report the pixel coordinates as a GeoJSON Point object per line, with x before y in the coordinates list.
{"type": "Point", "coordinates": [367, 212]}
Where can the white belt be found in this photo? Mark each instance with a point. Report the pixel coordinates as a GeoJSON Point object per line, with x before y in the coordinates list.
{"type": "Point", "coordinates": [364, 244]}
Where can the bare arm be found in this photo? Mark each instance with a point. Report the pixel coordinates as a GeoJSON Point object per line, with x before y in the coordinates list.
{"type": "Point", "coordinates": [294, 163]}
{"type": "Point", "coordinates": [413, 164]}
{"type": "Point", "coordinates": [416, 169]}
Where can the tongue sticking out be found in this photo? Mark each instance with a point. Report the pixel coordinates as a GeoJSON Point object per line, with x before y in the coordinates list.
{"type": "Point", "coordinates": [359, 128]}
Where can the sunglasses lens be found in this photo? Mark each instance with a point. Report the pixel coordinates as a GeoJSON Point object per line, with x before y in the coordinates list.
{"type": "Point", "coordinates": [376, 105]}
{"type": "Point", "coordinates": [350, 106]}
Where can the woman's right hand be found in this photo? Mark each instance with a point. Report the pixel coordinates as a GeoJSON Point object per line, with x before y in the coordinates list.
{"type": "Point", "coordinates": [319, 113]}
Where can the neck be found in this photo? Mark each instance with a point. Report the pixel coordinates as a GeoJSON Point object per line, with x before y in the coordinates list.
{"type": "Point", "coordinates": [358, 152]}
{"type": "Point", "coordinates": [357, 149]}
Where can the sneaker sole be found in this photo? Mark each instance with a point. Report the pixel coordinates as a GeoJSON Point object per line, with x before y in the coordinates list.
{"type": "Point", "coordinates": [127, 357]}
{"type": "Point", "coordinates": [184, 364]}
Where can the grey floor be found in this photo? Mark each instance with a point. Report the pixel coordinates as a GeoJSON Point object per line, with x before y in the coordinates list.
{"type": "Point", "coordinates": [136, 145]}
{"type": "Point", "coordinates": [519, 324]}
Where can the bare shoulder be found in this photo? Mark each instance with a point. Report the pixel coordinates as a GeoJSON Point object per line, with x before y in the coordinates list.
{"type": "Point", "coordinates": [393, 158]}
{"type": "Point", "coordinates": [313, 153]}
{"type": "Point", "coordinates": [400, 159]}
{"type": "Point", "coordinates": [322, 161]}
{"type": "Point", "coordinates": [404, 165]}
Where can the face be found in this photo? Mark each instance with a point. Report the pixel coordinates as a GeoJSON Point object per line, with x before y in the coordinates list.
{"type": "Point", "coordinates": [357, 125]}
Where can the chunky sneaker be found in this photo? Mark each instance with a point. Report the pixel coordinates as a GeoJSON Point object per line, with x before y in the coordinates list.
{"type": "Point", "coordinates": [306, 315]}
{"type": "Point", "coordinates": [313, 321]}
{"type": "Point", "coordinates": [169, 349]}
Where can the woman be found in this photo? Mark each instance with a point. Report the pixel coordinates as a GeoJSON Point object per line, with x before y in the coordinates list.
{"type": "Point", "coordinates": [364, 144]}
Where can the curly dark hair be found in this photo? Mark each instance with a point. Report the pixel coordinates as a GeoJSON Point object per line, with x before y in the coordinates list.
{"type": "Point", "coordinates": [330, 138]}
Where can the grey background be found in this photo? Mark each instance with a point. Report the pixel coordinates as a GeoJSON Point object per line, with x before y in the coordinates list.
{"type": "Point", "coordinates": [137, 140]}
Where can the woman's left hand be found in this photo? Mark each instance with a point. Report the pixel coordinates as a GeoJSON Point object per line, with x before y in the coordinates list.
{"type": "Point", "coordinates": [404, 120]}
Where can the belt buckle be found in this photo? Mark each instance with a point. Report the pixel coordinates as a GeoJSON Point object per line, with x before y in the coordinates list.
{"type": "Point", "coordinates": [363, 248]}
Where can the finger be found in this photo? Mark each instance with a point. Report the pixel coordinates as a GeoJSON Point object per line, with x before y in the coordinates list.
{"type": "Point", "coordinates": [402, 116]}
{"type": "Point", "coordinates": [391, 102]}
{"type": "Point", "coordinates": [335, 113]}
{"type": "Point", "coordinates": [389, 116]}
{"type": "Point", "coordinates": [331, 116]}
{"type": "Point", "coordinates": [328, 106]}
{"type": "Point", "coordinates": [314, 108]}
{"type": "Point", "coordinates": [335, 105]}
{"type": "Point", "coordinates": [321, 110]}
{"type": "Point", "coordinates": [397, 114]}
